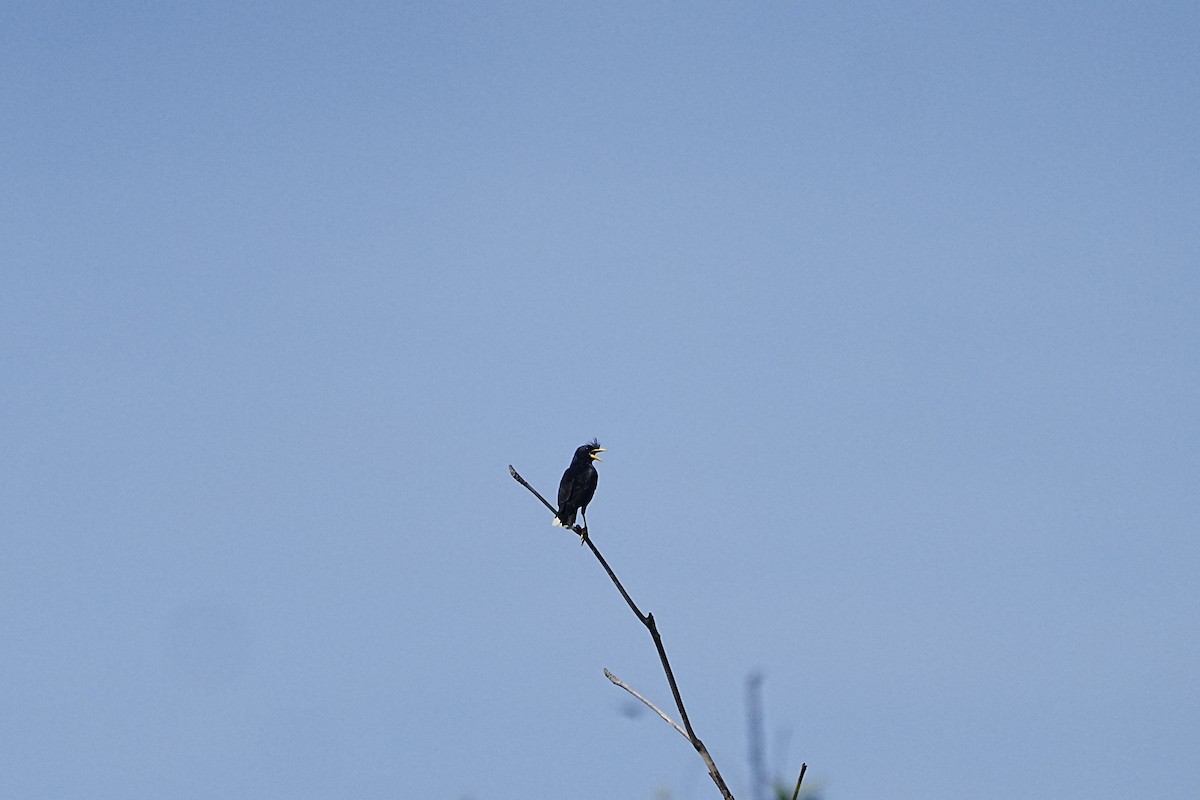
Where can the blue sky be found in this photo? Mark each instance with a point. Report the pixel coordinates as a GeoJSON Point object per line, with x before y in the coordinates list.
{"type": "Point", "coordinates": [886, 313]}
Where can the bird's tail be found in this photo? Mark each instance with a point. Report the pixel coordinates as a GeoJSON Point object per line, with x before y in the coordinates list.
{"type": "Point", "coordinates": [563, 519]}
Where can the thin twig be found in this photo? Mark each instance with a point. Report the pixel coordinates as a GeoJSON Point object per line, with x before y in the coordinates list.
{"type": "Point", "coordinates": [650, 705]}
{"type": "Point", "coordinates": [800, 780]}
{"type": "Point", "coordinates": [648, 621]}
{"type": "Point", "coordinates": [536, 494]}
{"type": "Point", "coordinates": [632, 605]}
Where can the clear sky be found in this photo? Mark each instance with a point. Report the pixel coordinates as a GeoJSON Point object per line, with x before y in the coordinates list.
{"type": "Point", "coordinates": [888, 315]}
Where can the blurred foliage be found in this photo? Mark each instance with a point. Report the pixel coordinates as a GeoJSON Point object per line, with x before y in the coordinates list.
{"type": "Point", "coordinates": [784, 792]}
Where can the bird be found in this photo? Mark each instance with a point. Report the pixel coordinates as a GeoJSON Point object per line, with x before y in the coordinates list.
{"type": "Point", "coordinates": [577, 486]}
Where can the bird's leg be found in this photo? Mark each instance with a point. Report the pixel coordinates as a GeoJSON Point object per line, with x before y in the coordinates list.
{"type": "Point", "coordinates": [583, 533]}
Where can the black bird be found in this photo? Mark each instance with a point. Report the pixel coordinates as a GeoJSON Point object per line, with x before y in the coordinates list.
{"type": "Point", "coordinates": [578, 484]}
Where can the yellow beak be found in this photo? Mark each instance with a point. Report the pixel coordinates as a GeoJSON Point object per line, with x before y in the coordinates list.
{"type": "Point", "coordinates": [596, 457]}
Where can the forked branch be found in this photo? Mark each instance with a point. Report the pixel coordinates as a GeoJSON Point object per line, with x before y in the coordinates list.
{"type": "Point", "coordinates": [648, 621]}
{"type": "Point", "coordinates": [649, 705]}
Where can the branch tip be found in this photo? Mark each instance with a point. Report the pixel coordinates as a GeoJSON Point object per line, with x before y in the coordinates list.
{"type": "Point", "coordinates": [800, 780]}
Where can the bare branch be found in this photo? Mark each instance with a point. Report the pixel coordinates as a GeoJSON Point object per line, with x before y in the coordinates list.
{"type": "Point", "coordinates": [648, 621]}
{"type": "Point", "coordinates": [536, 494]}
{"type": "Point", "coordinates": [649, 705]}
